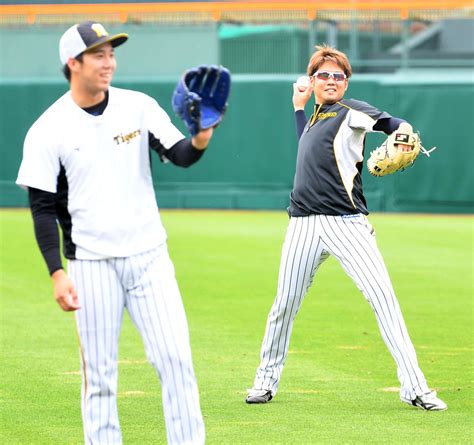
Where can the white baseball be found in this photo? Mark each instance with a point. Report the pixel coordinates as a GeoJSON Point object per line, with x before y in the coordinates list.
{"type": "Point", "coordinates": [302, 83]}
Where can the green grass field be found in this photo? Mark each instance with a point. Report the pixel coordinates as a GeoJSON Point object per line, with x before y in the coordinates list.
{"type": "Point", "coordinates": [339, 385]}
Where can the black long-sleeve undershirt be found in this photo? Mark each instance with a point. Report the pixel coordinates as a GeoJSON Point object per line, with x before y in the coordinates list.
{"type": "Point", "coordinates": [388, 125]}
{"type": "Point", "coordinates": [183, 153]}
{"type": "Point", "coordinates": [300, 121]}
{"type": "Point", "coordinates": [43, 211]}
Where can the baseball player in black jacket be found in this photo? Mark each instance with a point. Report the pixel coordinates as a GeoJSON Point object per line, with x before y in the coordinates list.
{"type": "Point", "coordinates": [328, 216]}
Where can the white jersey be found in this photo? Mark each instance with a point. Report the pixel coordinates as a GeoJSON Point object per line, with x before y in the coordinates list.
{"type": "Point", "coordinates": [110, 216]}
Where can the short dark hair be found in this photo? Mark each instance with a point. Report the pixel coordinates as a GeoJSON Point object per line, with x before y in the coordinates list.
{"type": "Point", "coordinates": [327, 53]}
{"type": "Point", "coordinates": [67, 72]}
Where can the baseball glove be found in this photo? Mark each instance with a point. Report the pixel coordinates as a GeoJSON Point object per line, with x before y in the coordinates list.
{"type": "Point", "coordinates": [398, 152]}
{"type": "Point", "coordinates": [200, 97]}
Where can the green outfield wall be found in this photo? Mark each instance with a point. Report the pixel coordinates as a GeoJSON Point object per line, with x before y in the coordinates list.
{"type": "Point", "coordinates": [27, 52]}
{"type": "Point", "coordinates": [251, 160]}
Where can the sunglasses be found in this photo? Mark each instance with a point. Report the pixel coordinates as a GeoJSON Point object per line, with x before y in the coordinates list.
{"type": "Point", "coordinates": [325, 75]}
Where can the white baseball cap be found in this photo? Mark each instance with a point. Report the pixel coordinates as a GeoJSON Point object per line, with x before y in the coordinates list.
{"type": "Point", "coordinates": [85, 36]}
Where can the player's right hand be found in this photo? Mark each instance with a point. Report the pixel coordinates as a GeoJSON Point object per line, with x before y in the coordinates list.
{"type": "Point", "coordinates": [64, 291]}
{"type": "Point", "coordinates": [300, 98]}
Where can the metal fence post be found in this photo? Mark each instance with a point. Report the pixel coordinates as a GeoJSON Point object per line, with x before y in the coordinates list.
{"type": "Point", "coordinates": [405, 53]}
{"type": "Point", "coordinates": [353, 37]}
{"type": "Point", "coordinates": [312, 36]}
{"type": "Point", "coordinates": [332, 33]}
{"type": "Point", "coordinates": [376, 44]}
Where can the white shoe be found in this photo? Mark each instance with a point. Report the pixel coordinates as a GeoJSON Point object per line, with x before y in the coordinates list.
{"type": "Point", "coordinates": [427, 401]}
{"type": "Point", "coordinates": [258, 396]}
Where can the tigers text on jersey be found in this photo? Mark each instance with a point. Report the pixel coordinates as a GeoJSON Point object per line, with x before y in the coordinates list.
{"type": "Point", "coordinates": [99, 166]}
{"type": "Point", "coordinates": [329, 163]}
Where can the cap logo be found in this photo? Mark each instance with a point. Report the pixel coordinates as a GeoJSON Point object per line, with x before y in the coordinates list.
{"type": "Point", "coordinates": [99, 30]}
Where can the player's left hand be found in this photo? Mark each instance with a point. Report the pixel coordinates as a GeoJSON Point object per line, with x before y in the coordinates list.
{"type": "Point", "coordinates": [201, 140]}
{"type": "Point", "coordinates": [200, 97]}
{"type": "Point", "coordinates": [403, 147]}
{"type": "Point", "coordinates": [398, 152]}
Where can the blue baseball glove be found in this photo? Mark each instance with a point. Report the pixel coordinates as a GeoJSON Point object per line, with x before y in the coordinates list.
{"type": "Point", "coordinates": [200, 97]}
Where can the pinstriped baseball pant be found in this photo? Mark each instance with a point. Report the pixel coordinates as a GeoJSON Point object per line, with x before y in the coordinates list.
{"type": "Point", "coordinates": [145, 285]}
{"type": "Point", "coordinates": [308, 242]}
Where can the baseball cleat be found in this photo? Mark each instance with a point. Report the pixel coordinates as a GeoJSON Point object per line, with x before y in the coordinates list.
{"type": "Point", "coordinates": [428, 402]}
{"type": "Point", "coordinates": [259, 396]}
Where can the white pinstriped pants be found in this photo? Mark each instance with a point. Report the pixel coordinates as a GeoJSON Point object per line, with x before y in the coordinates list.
{"type": "Point", "coordinates": [145, 285]}
{"type": "Point", "coordinates": [308, 242]}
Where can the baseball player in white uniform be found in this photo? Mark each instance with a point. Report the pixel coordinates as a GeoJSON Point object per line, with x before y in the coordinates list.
{"type": "Point", "coordinates": [328, 217]}
{"type": "Point", "coordinates": [86, 164]}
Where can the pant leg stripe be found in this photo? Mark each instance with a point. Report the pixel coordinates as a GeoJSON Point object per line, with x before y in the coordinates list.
{"type": "Point", "coordinates": [195, 423]}
{"type": "Point", "coordinates": [338, 245]}
{"type": "Point", "coordinates": [374, 279]}
{"type": "Point", "coordinates": [175, 347]}
{"type": "Point", "coordinates": [90, 313]}
{"type": "Point", "coordinates": [188, 389]}
{"type": "Point", "coordinates": [295, 276]}
{"type": "Point", "coordinates": [103, 353]}
{"type": "Point", "coordinates": [295, 286]}
{"type": "Point", "coordinates": [284, 250]}
{"type": "Point", "coordinates": [361, 277]}
{"type": "Point", "coordinates": [388, 297]}
{"type": "Point", "coordinates": [317, 252]}
{"type": "Point", "coordinates": [398, 322]}
{"type": "Point", "coordinates": [281, 291]}
{"type": "Point", "coordinates": [75, 272]}
{"type": "Point", "coordinates": [167, 368]}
